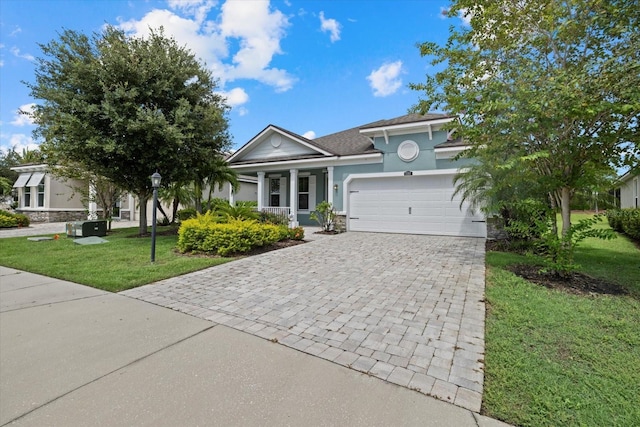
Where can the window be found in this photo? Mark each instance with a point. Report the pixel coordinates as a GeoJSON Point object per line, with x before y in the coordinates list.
{"type": "Point", "coordinates": [27, 197]}
{"type": "Point", "coordinates": [115, 209]}
{"type": "Point", "coordinates": [635, 191]}
{"type": "Point", "coordinates": [303, 193]}
{"type": "Point", "coordinates": [40, 195]}
{"type": "Point", "coordinates": [274, 192]}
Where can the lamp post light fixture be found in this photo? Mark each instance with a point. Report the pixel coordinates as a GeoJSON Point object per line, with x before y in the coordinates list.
{"type": "Point", "coordinates": [155, 183]}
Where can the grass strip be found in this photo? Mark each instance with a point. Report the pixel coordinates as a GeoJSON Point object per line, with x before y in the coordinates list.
{"type": "Point", "coordinates": [121, 264]}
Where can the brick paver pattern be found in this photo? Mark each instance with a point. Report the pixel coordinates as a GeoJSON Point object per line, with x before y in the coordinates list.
{"type": "Point", "coordinates": [408, 309]}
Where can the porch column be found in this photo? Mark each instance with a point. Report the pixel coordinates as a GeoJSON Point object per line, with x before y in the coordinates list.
{"type": "Point", "coordinates": [93, 206]}
{"type": "Point", "coordinates": [232, 201]}
{"type": "Point", "coordinates": [293, 198]}
{"type": "Point", "coordinates": [131, 202]}
{"type": "Point", "coordinates": [330, 190]}
{"type": "Point", "coordinates": [260, 190]}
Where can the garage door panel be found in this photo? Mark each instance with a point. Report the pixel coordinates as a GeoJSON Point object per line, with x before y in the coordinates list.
{"type": "Point", "coordinates": [382, 205]}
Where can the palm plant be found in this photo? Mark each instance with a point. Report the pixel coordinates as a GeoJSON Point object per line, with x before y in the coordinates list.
{"type": "Point", "coordinates": [175, 193]}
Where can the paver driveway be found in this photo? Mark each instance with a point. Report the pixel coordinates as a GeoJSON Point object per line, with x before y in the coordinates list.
{"type": "Point", "coordinates": [408, 309]}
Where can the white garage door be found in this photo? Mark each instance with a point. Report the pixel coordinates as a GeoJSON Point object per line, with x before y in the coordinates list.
{"type": "Point", "coordinates": [411, 204]}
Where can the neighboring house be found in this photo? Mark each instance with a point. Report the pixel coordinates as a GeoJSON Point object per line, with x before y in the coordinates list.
{"type": "Point", "coordinates": [629, 189]}
{"type": "Point", "coordinates": [387, 176]}
{"type": "Point", "coordinates": [247, 191]}
{"type": "Point", "coordinates": [43, 197]}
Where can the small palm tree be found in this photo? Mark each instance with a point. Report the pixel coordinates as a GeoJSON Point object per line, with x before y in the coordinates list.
{"type": "Point", "coordinates": [176, 193]}
{"type": "Point", "coordinates": [217, 173]}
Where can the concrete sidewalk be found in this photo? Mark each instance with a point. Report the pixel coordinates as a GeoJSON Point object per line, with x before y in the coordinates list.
{"type": "Point", "coordinates": [73, 355]}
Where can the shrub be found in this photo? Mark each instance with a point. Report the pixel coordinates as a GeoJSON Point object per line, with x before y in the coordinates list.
{"type": "Point", "coordinates": [23, 220]}
{"type": "Point", "coordinates": [10, 220]}
{"type": "Point", "coordinates": [527, 220]}
{"type": "Point", "coordinates": [614, 218]}
{"type": "Point", "coordinates": [631, 223]}
{"type": "Point", "coordinates": [238, 212]}
{"type": "Point", "coordinates": [626, 221]}
{"type": "Point", "coordinates": [324, 214]}
{"type": "Point", "coordinates": [7, 221]}
{"type": "Point", "coordinates": [204, 234]}
{"type": "Point", "coordinates": [296, 233]}
{"type": "Point", "coordinates": [187, 213]}
{"type": "Point", "coordinates": [271, 218]}
{"type": "Point", "coordinates": [214, 204]}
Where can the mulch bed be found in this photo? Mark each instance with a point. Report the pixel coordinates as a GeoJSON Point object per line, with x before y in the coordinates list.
{"type": "Point", "coordinates": [574, 283]}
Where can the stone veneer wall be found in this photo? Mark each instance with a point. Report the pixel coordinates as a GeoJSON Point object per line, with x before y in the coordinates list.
{"type": "Point", "coordinates": [54, 216]}
{"type": "Point", "coordinates": [495, 229]}
{"type": "Point", "coordinates": [341, 223]}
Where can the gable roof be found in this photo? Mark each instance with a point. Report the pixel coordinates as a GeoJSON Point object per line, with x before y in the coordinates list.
{"type": "Point", "coordinates": [350, 142]}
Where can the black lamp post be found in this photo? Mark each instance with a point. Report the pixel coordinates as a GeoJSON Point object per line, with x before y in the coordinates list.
{"type": "Point", "coordinates": [155, 183]}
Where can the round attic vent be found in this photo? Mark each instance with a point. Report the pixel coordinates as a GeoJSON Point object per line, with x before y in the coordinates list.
{"type": "Point", "coordinates": [276, 140]}
{"type": "Point", "coordinates": [408, 150]}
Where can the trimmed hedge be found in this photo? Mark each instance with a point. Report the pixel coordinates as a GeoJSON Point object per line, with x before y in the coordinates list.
{"type": "Point", "coordinates": [626, 221]}
{"type": "Point", "coordinates": [205, 234]}
{"type": "Point", "coordinates": [11, 220]}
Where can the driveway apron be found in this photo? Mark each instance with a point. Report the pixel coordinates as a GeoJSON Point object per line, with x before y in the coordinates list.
{"type": "Point", "coordinates": [408, 309]}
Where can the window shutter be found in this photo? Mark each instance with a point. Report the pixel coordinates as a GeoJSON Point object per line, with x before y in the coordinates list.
{"type": "Point", "coordinates": [283, 192]}
{"type": "Point", "coordinates": [312, 193]}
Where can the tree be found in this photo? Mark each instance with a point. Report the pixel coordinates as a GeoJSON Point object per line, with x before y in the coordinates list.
{"type": "Point", "coordinates": [125, 107]}
{"type": "Point", "coordinates": [554, 85]}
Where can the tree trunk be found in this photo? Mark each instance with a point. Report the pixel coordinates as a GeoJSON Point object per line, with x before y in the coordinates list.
{"type": "Point", "coordinates": [161, 209]}
{"type": "Point", "coordinates": [565, 205]}
{"type": "Point", "coordinates": [142, 227]}
{"type": "Point", "coordinates": [176, 203]}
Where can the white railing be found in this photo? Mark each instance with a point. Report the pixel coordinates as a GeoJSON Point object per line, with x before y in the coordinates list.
{"type": "Point", "coordinates": [279, 211]}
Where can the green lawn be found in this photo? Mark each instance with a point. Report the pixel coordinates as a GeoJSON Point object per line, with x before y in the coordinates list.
{"type": "Point", "coordinates": [558, 359]}
{"type": "Point", "coordinates": [121, 264]}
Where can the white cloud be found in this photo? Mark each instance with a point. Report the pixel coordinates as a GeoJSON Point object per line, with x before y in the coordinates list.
{"type": "Point", "coordinates": [235, 97]}
{"type": "Point", "coordinates": [19, 142]}
{"type": "Point", "coordinates": [196, 8]}
{"type": "Point", "coordinates": [385, 80]}
{"type": "Point", "coordinates": [309, 134]}
{"type": "Point", "coordinates": [17, 30]}
{"type": "Point", "coordinates": [16, 52]}
{"type": "Point", "coordinates": [252, 26]}
{"type": "Point", "coordinates": [259, 31]}
{"type": "Point", "coordinates": [1, 63]}
{"type": "Point", "coordinates": [330, 25]}
{"type": "Point", "coordinates": [23, 116]}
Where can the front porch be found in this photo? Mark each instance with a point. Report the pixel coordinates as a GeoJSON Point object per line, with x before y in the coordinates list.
{"type": "Point", "coordinates": [294, 194]}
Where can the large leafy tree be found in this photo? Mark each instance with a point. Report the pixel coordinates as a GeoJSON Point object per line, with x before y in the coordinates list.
{"type": "Point", "coordinates": [124, 107]}
{"type": "Point", "coordinates": [548, 91]}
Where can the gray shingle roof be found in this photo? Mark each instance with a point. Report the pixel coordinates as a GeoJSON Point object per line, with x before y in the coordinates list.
{"type": "Point", "coordinates": [409, 118]}
{"type": "Point", "coordinates": [351, 141]}
{"type": "Point", "coordinates": [458, 142]}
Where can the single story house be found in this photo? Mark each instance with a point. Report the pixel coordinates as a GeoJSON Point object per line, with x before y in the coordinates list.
{"type": "Point", "coordinates": [391, 176]}
{"type": "Point", "coordinates": [43, 197]}
{"type": "Point", "coordinates": [628, 187]}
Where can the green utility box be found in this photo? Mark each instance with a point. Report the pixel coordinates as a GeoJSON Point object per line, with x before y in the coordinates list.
{"type": "Point", "coordinates": [87, 228]}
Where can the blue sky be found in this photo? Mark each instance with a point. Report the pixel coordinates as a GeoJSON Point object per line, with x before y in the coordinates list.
{"type": "Point", "coordinates": [312, 67]}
